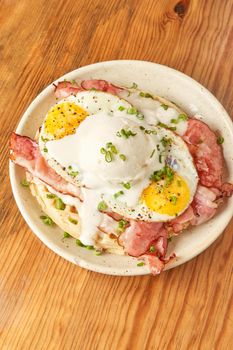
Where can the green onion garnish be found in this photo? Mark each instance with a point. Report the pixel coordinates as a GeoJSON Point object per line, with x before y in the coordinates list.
{"type": "Point", "coordinates": [79, 243]}
{"type": "Point", "coordinates": [164, 106]}
{"type": "Point", "coordinates": [24, 183]}
{"type": "Point", "coordinates": [162, 125]}
{"type": "Point", "coordinates": [125, 133]}
{"type": "Point", "coordinates": [66, 235]}
{"type": "Point", "coordinates": [122, 226]}
{"type": "Point", "coordinates": [108, 157]}
{"type": "Point", "coordinates": [121, 108]}
{"type": "Point", "coordinates": [122, 156]}
{"type": "Point", "coordinates": [166, 141]}
{"type": "Point", "coordinates": [134, 86]}
{"type": "Point", "coordinates": [44, 139]}
{"type": "Point", "coordinates": [182, 117]}
{"type": "Point", "coordinates": [145, 94]}
{"type": "Point", "coordinates": [118, 194]}
{"type": "Point", "coordinates": [141, 263]}
{"type": "Point", "coordinates": [132, 110]}
{"type": "Point", "coordinates": [173, 199]}
{"type": "Point", "coordinates": [59, 204]}
{"type": "Point", "coordinates": [160, 158]}
{"type": "Point", "coordinates": [220, 140]}
{"type": "Point", "coordinates": [102, 206]}
{"type": "Point", "coordinates": [47, 220]}
{"type": "Point", "coordinates": [45, 149]}
{"type": "Point", "coordinates": [169, 239]}
{"type": "Point", "coordinates": [73, 221]}
{"type": "Point", "coordinates": [73, 173]}
{"type": "Point", "coordinates": [141, 127]}
{"type": "Point", "coordinates": [152, 249]}
{"type": "Point", "coordinates": [164, 173]}
{"type": "Point", "coordinates": [50, 195]}
{"type": "Point", "coordinates": [126, 185]}
{"type": "Point", "coordinates": [98, 252]}
{"type": "Point", "coordinates": [89, 247]}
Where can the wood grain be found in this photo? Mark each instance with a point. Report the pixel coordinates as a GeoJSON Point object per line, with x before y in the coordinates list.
{"type": "Point", "coordinates": [48, 303]}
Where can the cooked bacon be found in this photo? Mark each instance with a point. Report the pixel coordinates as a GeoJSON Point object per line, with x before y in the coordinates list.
{"type": "Point", "coordinates": [139, 236]}
{"type": "Point", "coordinates": [227, 189]}
{"type": "Point", "coordinates": [156, 264]}
{"type": "Point", "coordinates": [204, 205]}
{"type": "Point", "coordinates": [25, 152]}
{"type": "Point", "coordinates": [66, 88]}
{"type": "Point", "coordinates": [101, 85]}
{"type": "Point", "coordinates": [180, 223]}
{"type": "Point", "coordinates": [207, 154]}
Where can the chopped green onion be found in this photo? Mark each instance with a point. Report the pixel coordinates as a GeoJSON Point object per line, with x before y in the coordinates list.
{"type": "Point", "coordinates": [108, 157]}
{"type": "Point", "coordinates": [160, 158]}
{"type": "Point", "coordinates": [126, 133]}
{"type": "Point", "coordinates": [73, 221]}
{"type": "Point", "coordinates": [45, 149]}
{"type": "Point", "coordinates": [93, 89]}
{"type": "Point", "coordinates": [153, 152]}
{"type": "Point", "coordinates": [141, 127]}
{"type": "Point", "coordinates": [44, 139]}
{"type": "Point", "coordinates": [152, 249]}
{"type": "Point", "coordinates": [169, 239]}
{"type": "Point", "coordinates": [103, 150]}
{"type": "Point", "coordinates": [166, 172]}
{"type": "Point", "coordinates": [50, 195]}
{"type": "Point", "coordinates": [59, 204]}
{"type": "Point", "coordinates": [73, 173]}
{"type": "Point", "coordinates": [126, 185]}
{"type": "Point", "coordinates": [175, 121]}
{"type": "Point", "coordinates": [98, 252]}
{"type": "Point", "coordinates": [173, 199]}
{"type": "Point", "coordinates": [79, 243]}
{"type": "Point", "coordinates": [134, 86]}
{"type": "Point", "coordinates": [66, 235]}
{"type": "Point", "coordinates": [141, 263]}
{"type": "Point", "coordinates": [47, 220]}
{"type": "Point", "coordinates": [70, 167]}
{"type": "Point", "coordinates": [111, 147]}
{"type": "Point", "coordinates": [102, 206]}
{"type": "Point", "coordinates": [121, 226]}
{"type": "Point", "coordinates": [182, 117]}
{"type": "Point", "coordinates": [220, 140]}
{"type": "Point", "coordinates": [89, 247]}
{"type": "Point", "coordinates": [166, 141]}
{"type": "Point", "coordinates": [121, 108]}
{"type": "Point", "coordinates": [132, 110]}
{"type": "Point", "coordinates": [122, 156]}
{"type": "Point", "coordinates": [164, 106]}
{"type": "Point", "coordinates": [162, 125]}
{"type": "Point", "coordinates": [118, 194]}
{"type": "Point", "coordinates": [24, 183]}
{"type": "Point", "coordinates": [151, 132]}
{"type": "Point", "coordinates": [145, 94]}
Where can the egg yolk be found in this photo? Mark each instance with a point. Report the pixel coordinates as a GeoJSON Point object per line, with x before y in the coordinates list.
{"type": "Point", "coordinates": [167, 199]}
{"type": "Point", "coordinates": [63, 119]}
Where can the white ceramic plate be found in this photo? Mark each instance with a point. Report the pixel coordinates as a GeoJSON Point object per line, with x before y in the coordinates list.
{"type": "Point", "coordinates": [154, 78]}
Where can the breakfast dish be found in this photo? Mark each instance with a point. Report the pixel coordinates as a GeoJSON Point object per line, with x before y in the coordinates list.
{"type": "Point", "coordinates": [122, 170]}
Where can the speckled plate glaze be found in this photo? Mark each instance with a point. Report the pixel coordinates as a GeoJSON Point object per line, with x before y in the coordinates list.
{"type": "Point", "coordinates": [157, 79]}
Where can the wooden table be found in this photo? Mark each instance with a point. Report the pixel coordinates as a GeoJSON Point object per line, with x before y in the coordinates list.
{"type": "Point", "coordinates": [48, 303]}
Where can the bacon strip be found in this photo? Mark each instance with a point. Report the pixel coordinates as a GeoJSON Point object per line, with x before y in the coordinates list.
{"type": "Point", "coordinates": [207, 154]}
{"type": "Point", "coordinates": [66, 88]}
{"type": "Point", "coordinates": [101, 85]}
{"type": "Point", "coordinates": [25, 152]}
